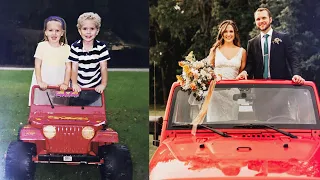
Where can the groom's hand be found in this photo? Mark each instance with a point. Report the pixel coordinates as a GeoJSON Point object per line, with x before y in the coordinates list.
{"type": "Point", "coordinates": [297, 79]}
{"type": "Point", "coordinates": [242, 75]}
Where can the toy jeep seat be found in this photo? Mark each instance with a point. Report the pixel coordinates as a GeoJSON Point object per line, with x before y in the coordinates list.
{"type": "Point", "coordinates": [86, 98]}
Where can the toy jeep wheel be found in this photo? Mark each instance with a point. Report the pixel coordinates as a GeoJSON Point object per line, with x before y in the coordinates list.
{"type": "Point", "coordinates": [19, 164]}
{"type": "Point", "coordinates": [117, 162]}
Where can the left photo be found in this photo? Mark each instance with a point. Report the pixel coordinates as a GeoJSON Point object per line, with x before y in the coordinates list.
{"type": "Point", "coordinates": [73, 82]}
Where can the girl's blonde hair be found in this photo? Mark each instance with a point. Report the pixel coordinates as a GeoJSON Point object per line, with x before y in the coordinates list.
{"type": "Point", "coordinates": [89, 16]}
{"type": "Point", "coordinates": [63, 40]}
{"type": "Point", "coordinates": [219, 39]}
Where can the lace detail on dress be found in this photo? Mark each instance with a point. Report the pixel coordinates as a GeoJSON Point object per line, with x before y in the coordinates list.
{"type": "Point", "coordinates": [228, 68]}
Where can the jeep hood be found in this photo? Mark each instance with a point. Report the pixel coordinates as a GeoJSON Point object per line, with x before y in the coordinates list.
{"type": "Point", "coordinates": [74, 119]}
{"type": "Point", "coordinates": [233, 158]}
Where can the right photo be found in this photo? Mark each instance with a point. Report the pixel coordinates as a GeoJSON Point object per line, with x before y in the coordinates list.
{"type": "Point", "coordinates": [234, 89]}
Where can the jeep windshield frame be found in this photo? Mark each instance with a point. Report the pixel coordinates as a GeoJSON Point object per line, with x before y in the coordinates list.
{"type": "Point", "coordinates": [307, 89]}
{"type": "Point", "coordinates": [54, 97]}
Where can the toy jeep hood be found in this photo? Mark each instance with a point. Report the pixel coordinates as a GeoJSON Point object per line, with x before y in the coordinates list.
{"type": "Point", "coordinates": [76, 119]}
{"type": "Point", "coordinates": [220, 157]}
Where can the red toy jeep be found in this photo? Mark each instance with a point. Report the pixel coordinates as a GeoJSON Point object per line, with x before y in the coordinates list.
{"type": "Point", "coordinates": [67, 127]}
{"type": "Point", "coordinates": [254, 129]}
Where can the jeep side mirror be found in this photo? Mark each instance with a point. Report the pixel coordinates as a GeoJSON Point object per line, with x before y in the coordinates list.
{"type": "Point", "coordinates": [155, 127]}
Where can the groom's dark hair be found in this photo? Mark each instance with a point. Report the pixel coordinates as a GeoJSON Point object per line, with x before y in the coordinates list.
{"type": "Point", "coordinates": [263, 9]}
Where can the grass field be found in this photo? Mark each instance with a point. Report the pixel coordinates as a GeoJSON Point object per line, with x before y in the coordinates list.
{"type": "Point", "coordinates": [152, 148]}
{"type": "Point", "coordinates": [127, 112]}
{"type": "Point", "coordinates": [159, 111]}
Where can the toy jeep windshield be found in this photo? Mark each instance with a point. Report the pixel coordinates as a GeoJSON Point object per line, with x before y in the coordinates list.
{"type": "Point", "coordinates": [253, 130]}
{"type": "Point", "coordinates": [67, 127]}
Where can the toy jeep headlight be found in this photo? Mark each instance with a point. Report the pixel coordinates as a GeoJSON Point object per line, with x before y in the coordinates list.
{"type": "Point", "coordinates": [87, 132]}
{"type": "Point", "coordinates": [49, 131]}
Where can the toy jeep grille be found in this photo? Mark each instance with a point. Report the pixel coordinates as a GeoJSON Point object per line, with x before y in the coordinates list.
{"type": "Point", "coordinates": [68, 140]}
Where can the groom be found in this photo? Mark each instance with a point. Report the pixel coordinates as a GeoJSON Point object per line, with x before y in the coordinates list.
{"type": "Point", "coordinates": [270, 54]}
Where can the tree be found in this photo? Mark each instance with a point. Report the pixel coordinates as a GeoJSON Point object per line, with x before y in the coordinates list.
{"type": "Point", "coordinates": [299, 19]}
{"type": "Point", "coordinates": [180, 26]}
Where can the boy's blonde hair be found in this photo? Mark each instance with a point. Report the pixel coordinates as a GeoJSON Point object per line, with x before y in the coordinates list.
{"type": "Point", "coordinates": [89, 16]}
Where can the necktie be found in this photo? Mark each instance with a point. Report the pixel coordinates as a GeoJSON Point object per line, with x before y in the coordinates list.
{"type": "Point", "coordinates": [265, 57]}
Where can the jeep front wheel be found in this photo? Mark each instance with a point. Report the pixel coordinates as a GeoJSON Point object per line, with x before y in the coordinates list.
{"type": "Point", "coordinates": [117, 162]}
{"type": "Point", "coordinates": [19, 164]}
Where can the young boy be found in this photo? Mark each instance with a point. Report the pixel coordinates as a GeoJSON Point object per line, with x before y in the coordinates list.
{"type": "Point", "coordinates": [89, 56]}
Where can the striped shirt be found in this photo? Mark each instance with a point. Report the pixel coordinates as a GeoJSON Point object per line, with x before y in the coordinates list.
{"type": "Point", "coordinates": [89, 74]}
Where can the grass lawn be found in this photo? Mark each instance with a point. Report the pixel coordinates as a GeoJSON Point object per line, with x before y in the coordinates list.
{"type": "Point", "coordinates": [152, 148]}
{"type": "Point", "coordinates": [159, 111]}
{"type": "Point", "coordinates": [127, 112]}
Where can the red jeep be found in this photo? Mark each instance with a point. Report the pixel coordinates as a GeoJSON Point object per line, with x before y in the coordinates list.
{"type": "Point", "coordinates": [261, 129]}
{"type": "Point", "coordinates": [67, 127]}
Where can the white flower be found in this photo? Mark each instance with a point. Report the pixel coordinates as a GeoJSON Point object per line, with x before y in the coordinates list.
{"type": "Point", "coordinates": [203, 72]}
{"type": "Point", "coordinates": [276, 40]}
{"type": "Point", "coordinates": [185, 87]}
{"type": "Point", "coordinates": [190, 57]}
{"type": "Point", "coordinates": [160, 53]}
{"type": "Point", "coordinates": [177, 7]}
{"type": "Point", "coordinates": [182, 12]}
{"type": "Point", "coordinates": [188, 81]}
{"type": "Point", "coordinates": [198, 64]}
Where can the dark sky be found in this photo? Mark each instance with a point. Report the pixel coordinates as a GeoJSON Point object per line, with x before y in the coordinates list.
{"type": "Point", "coordinates": [126, 18]}
{"type": "Point", "coordinates": [21, 23]}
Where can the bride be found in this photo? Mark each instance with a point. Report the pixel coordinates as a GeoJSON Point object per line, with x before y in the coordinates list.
{"type": "Point", "coordinates": [228, 59]}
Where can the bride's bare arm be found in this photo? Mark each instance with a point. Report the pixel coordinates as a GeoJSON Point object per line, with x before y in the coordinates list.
{"type": "Point", "coordinates": [210, 58]}
{"type": "Point", "coordinates": [243, 60]}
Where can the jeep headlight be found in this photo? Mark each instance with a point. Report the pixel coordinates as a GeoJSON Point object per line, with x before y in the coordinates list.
{"type": "Point", "coordinates": [49, 131]}
{"type": "Point", "coordinates": [87, 132]}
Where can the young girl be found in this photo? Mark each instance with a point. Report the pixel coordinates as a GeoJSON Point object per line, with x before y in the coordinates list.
{"type": "Point", "coordinates": [51, 66]}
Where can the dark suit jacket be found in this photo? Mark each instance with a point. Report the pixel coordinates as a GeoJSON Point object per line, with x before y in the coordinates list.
{"type": "Point", "coordinates": [284, 62]}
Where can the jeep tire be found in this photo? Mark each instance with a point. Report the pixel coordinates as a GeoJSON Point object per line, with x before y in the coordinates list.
{"type": "Point", "coordinates": [19, 164]}
{"type": "Point", "coordinates": [117, 162]}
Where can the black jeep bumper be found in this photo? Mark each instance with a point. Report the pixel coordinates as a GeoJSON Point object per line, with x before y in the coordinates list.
{"type": "Point", "coordinates": [68, 158]}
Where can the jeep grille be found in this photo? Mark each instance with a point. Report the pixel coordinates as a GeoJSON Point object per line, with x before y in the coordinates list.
{"type": "Point", "coordinates": [68, 140]}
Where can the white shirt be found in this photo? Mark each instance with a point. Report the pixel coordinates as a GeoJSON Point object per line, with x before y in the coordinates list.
{"type": "Point", "coordinates": [269, 46]}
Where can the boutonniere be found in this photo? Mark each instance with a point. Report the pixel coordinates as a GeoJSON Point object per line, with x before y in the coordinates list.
{"type": "Point", "coordinates": [276, 40]}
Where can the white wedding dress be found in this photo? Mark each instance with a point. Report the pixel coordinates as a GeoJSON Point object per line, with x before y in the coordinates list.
{"type": "Point", "coordinates": [222, 107]}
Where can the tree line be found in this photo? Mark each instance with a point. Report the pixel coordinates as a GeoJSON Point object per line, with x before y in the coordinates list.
{"type": "Point", "coordinates": [180, 26]}
{"type": "Point", "coordinates": [124, 23]}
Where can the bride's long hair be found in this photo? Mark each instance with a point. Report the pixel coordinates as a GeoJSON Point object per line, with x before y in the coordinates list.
{"type": "Point", "coordinates": [220, 41]}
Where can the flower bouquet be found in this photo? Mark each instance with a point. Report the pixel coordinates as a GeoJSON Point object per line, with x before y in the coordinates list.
{"type": "Point", "coordinates": [196, 76]}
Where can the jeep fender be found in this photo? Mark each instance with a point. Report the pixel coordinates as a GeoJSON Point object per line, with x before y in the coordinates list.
{"type": "Point", "coordinates": [28, 133]}
{"type": "Point", "coordinates": [106, 136]}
